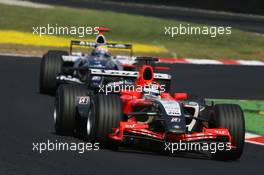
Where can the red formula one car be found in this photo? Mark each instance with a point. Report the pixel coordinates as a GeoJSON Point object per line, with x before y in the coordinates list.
{"type": "Point", "coordinates": [145, 112]}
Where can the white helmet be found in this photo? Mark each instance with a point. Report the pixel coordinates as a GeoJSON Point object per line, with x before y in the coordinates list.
{"type": "Point", "coordinates": [151, 91]}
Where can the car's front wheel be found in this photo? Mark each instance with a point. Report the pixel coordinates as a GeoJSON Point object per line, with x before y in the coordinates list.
{"type": "Point", "coordinates": [65, 113]}
{"type": "Point", "coordinates": [229, 116]}
{"type": "Point", "coordinates": [105, 115]}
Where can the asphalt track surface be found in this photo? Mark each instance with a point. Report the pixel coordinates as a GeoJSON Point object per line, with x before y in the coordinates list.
{"type": "Point", "coordinates": [26, 117]}
{"type": "Point", "coordinates": [243, 22]}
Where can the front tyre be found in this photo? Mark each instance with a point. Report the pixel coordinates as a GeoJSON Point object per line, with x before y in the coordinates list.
{"type": "Point", "coordinates": [229, 116]}
{"type": "Point", "coordinates": [105, 114]}
{"type": "Point", "coordinates": [65, 113]}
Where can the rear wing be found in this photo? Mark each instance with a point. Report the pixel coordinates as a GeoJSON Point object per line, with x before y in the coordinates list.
{"type": "Point", "coordinates": [121, 46]}
{"type": "Point", "coordinates": [94, 44]}
{"type": "Point", "coordinates": [161, 78]}
{"type": "Point", "coordinates": [125, 74]}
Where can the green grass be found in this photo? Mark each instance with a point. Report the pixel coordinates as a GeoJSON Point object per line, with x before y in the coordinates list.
{"type": "Point", "coordinates": [136, 28]}
{"type": "Point", "coordinates": [253, 111]}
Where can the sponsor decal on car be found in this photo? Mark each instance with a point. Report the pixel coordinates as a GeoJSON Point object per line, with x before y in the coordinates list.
{"type": "Point", "coordinates": [83, 100]}
{"type": "Point", "coordinates": [171, 107]}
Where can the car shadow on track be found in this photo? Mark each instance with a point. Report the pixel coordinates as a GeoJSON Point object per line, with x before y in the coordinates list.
{"type": "Point", "coordinates": [135, 150]}
{"type": "Point", "coordinates": [179, 154]}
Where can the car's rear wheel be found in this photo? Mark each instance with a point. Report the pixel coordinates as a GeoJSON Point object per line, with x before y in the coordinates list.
{"type": "Point", "coordinates": [229, 116]}
{"type": "Point", "coordinates": [105, 114]}
{"type": "Point", "coordinates": [65, 114]}
{"type": "Point", "coordinates": [51, 66]}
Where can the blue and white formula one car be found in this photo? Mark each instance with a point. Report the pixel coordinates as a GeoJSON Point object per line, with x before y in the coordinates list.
{"type": "Point", "coordinates": [58, 67]}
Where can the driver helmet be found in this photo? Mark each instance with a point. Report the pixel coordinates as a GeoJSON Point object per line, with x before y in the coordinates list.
{"type": "Point", "coordinates": [101, 52]}
{"type": "Point", "coordinates": [151, 91]}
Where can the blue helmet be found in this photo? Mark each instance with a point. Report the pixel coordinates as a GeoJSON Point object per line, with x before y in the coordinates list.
{"type": "Point", "coordinates": [101, 51]}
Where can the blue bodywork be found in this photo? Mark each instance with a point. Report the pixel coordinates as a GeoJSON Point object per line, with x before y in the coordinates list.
{"type": "Point", "coordinates": [97, 63]}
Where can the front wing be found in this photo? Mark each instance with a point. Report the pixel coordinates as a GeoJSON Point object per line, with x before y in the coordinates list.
{"type": "Point", "coordinates": [141, 131]}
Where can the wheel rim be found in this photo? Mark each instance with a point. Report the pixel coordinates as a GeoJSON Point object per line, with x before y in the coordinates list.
{"type": "Point", "coordinates": [55, 116]}
{"type": "Point", "coordinates": [88, 126]}
{"type": "Point", "coordinates": [90, 122]}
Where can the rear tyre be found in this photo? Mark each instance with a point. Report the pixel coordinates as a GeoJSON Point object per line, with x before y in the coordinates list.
{"type": "Point", "coordinates": [65, 113]}
{"type": "Point", "coordinates": [229, 116]}
{"type": "Point", "coordinates": [51, 66]}
{"type": "Point", "coordinates": [105, 114]}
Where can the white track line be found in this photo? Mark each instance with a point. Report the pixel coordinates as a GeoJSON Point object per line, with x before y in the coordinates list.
{"type": "Point", "coordinates": [211, 62]}
{"type": "Point", "coordinates": [25, 3]}
{"type": "Point", "coordinates": [251, 62]}
{"type": "Point", "coordinates": [19, 55]}
{"type": "Point", "coordinates": [202, 61]}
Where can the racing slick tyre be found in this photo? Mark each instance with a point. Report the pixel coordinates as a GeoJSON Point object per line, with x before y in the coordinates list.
{"type": "Point", "coordinates": [65, 113]}
{"type": "Point", "coordinates": [105, 114]}
{"type": "Point", "coordinates": [51, 66]}
{"type": "Point", "coordinates": [229, 116]}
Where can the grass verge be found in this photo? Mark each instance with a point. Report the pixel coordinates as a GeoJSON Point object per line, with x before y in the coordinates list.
{"type": "Point", "coordinates": [136, 29]}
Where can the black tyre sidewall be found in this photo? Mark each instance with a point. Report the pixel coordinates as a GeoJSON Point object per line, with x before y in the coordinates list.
{"type": "Point", "coordinates": [229, 116]}
{"type": "Point", "coordinates": [51, 66]}
{"type": "Point", "coordinates": [107, 115]}
{"type": "Point", "coordinates": [65, 103]}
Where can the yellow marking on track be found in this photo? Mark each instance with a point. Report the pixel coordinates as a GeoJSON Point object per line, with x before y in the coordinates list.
{"type": "Point", "coordinates": [24, 38]}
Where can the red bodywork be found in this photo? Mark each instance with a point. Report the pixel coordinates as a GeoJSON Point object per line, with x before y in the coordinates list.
{"type": "Point", "coordinates": [132, 99]}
